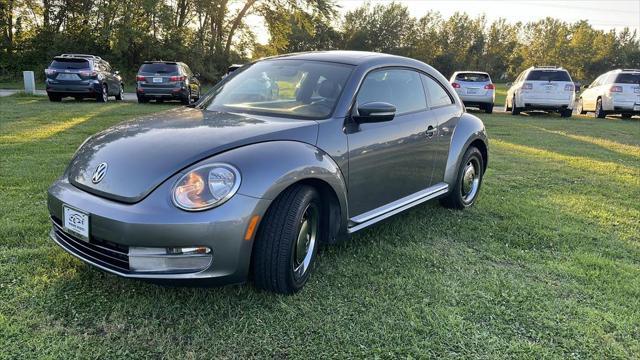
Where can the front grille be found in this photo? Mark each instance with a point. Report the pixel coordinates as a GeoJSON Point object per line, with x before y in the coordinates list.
{"type": "Point", "coordinates": [110, 255]}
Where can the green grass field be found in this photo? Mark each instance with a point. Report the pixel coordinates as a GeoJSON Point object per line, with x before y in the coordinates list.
{"type": "Point", "coordinates": [546, 265]}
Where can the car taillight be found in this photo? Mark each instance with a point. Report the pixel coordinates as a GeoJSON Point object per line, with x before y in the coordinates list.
{"type": "Point", "coordinates": [50, 71]}
{"type": "Point", "coordinates": [616, 89]}
{"type": "Point", "coordinates": [489, 87]}
{"type": "Point", "coordinates": [527, 86]}
{"type": "Point", "coordinates": [569, 87]}
{"type": "Point", "coordinates": [176, 78]}
{"type": "Point", "coordinates": [455, 85]}
{"type": "Point", "coordinates": [88, 73]}
{"type": "Point", "coordinates": [140, 78]}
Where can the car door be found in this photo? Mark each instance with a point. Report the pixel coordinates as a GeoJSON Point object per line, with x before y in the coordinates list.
{"type": "Point", "coordinates": [590, 96]}
{"type": "Point", "coordinates": [194, 83]}
{"type": "Point", "coordinates": [393, 159]}
{"type": "Point", "coordinates": [445, 113]}
{"type": "Point", "coordinates": [109, 78]}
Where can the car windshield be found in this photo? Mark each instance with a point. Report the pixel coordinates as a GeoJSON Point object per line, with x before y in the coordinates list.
{"type": "Point", "coordinates": [628, 78]}
{"type": "Point", "coordinates": [159, 68]}
{"type": "Point", "coordinates": [472, 77]}
{"type": "Point", "coordinates": [69, 64]}
{"type": "Point", "coordinates": [288, 88]}
{"type": "Point", "coordinates": [548, 75]}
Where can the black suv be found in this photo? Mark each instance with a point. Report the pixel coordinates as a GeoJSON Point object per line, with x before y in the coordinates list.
{"type": "Point", "coordinates": [167, 80]}
{"type": "Point", "coordinates": [82, 76]}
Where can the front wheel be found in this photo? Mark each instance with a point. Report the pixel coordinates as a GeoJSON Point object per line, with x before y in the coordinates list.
{"type": "Point", "coordinates": [580, 109]}
{"type": "Point", "coordinates": [566, 113]}
{"type": "Point", "coordinates": [120, 92]}
{"type": "Point", "coordinates": [467, 186]}
{"type": "Point", "coordinates": [287, 241]}
{"type": "Point", "coordinates": [55, 98]}
{"type": "Point", "coordinates": [514, 108]}
{"type": "Point", "coordinates": [599, 113]}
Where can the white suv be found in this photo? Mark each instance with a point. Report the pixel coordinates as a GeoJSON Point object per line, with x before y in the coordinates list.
{"type": "Point", "coordinates": [475, 89]}
{"type": "Point", "coordinates": [615, 92]}
{"type": "Point", "coordinates": [547, 88]}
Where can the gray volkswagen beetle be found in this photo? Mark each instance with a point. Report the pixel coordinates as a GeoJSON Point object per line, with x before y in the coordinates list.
{"type": "Point", "coordinates": [283, 155]}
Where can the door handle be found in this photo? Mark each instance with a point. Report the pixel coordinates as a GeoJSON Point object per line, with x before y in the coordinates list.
{"type": "Point", "coordinates": [430, 131]}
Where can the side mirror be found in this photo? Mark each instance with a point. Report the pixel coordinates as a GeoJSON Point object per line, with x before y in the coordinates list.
{"type": "Point", "coordinates": [583, 86]}
{"type": "Point", "coordinates": [375, 112]}
{"type": "Point", "coordinates": [197, 75]}
{"type": "Point", "coordinates": [116, 72]}
{"type": "Point", "coordinates": [509, 84]}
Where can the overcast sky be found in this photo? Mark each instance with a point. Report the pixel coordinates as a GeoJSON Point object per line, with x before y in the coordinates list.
{"type": "Point", "coordinates": [601, 14]}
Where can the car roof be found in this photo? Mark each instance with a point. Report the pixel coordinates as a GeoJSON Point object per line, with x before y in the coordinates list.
{"type": "Point", "coordinates": [559, 68]}
{"type": "Point", "coordinates": [338, 56]}
{"type": "Point", "coordinates": [470, 72]}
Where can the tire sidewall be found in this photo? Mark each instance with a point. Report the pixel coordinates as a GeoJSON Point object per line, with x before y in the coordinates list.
{"type": "Point", "coordinates": [472, 152]}
{"type": "Point", "coordinates": [310, 196]}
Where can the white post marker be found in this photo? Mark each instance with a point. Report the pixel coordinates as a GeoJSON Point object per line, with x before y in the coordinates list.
{"type": "Point", "coordinates": [29, 82]}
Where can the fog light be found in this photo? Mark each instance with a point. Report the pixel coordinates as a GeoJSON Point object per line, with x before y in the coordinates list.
{"type": "Point", "coordinates": [169, 260]}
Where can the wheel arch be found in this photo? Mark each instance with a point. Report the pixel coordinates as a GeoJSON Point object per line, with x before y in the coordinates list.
{"type": "Point", "coordinates": [469, 131]}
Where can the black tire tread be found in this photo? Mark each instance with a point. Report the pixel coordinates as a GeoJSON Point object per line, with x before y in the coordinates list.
{"type": "Point", "coordinates": [271, 258]}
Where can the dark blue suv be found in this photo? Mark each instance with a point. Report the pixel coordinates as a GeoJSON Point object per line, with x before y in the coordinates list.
{"type": "Point", "coordinates": [82, 76]}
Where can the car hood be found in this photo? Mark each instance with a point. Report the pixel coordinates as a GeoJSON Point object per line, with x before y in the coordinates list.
{"type": "Point", "coordinates": [142, 153]}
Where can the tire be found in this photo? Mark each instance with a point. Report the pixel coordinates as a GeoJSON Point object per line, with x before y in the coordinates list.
{"type": "Point", "coordinates": [488, 108]}
{"type": "Point", "coordinates": [626, 116]}
{"type": "Point", "coordinates": [54, 98]}
{"type": "Point", "coordinates": [142, 100]}
{"type": "Point", "coordinates": [514, 109]}
{"type": "Point", "coordinates": [187, 99]}
{"type": "Point", "coordinates": [119, 94]}
{"type": "Point", "coordinates": [580, 109]}
{"type": "Point", "coordinates": [599, 113]}
{"type": "Point", "coordinates": [78, 98]}
{"type": "Point", "coordinates": [104, 96]}
{"type": "Point", "coordinates": [506, 106]}
{"type": "Point", "coordinates": [468, 181]}
{"type": "Point", "coordinates": [566, 113]}
{"type": "Point", "coordinates": [283, 255]}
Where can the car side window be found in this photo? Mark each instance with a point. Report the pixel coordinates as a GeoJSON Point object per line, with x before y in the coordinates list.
{"type": "Point", "coordinates": [436, 93]}
{"type": "Point", "coordinates": [597, 81]}
{"type": "Point", "coordinates": [401, 88]}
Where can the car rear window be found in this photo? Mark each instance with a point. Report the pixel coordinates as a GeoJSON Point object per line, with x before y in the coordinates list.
{"type": "Point", "coordinates": [472, 77]}
{"type": "Point", "coordinates": [159, 68]}
{"type": "Point", "coordinates": [69, 64]}
{"type": "Point", "coordinates": [548, 75]}
{"type": "Point", "coordinates": [628, 78]}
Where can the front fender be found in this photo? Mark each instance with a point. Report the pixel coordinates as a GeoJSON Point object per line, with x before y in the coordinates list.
{"type": "Point", "coordinates": [469, 129]}
{"type": "Point", "coordinates": [268, 168]}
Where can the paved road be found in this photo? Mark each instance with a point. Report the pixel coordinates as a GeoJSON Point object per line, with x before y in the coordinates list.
{"type": "Point", "coordinates": [7, 92]}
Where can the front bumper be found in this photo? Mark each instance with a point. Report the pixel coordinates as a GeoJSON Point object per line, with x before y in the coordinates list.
{"type": "Point", "coordinates": [156, 223]}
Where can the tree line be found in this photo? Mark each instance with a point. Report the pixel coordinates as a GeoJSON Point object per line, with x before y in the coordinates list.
{"type": "Point", "coordinates": [211, 34]}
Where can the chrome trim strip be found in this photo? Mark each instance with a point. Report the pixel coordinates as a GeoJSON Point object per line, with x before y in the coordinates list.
{"type": "Point", "coordinates": [385, 211]}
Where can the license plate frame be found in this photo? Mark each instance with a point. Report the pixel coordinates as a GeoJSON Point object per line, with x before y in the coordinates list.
{"type": "Point", "coordinates": [472, 91]}
{"type": "Point", "coordinates": [636, 107]}
{"type": "Point", "coordinates": [75, 222]}
{"type": "Point", "coordinates": [68, 77]}
{"type": "Point", "coordinates": [156, 80]}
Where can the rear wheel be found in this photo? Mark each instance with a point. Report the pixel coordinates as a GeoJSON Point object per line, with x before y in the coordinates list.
{"type": "Point", "coordinates": [78, 98]}
{"type": "Point", "coordinates": [187, 99]}
{"type": "Point", "coordinates": [566, 113]}
{"type": "Point", "coordinates": [599, 113]}
{"type": "Point", "coordinates": [287, 241]}
{"type": "Point", "coordinates": [488, 108]}
{"type": "Point", "coordinates": [626, 116]}
{"type": "Point", "coordinates": [103, 97]}
{"type": "Point", "coordinates": [467, 186]}
{"type": "Point", "coordinates": [54, 98]}
{"type": "Point", "coordinates": [142, 100]}
{"type": "Point", "coordinates": [514, 109]}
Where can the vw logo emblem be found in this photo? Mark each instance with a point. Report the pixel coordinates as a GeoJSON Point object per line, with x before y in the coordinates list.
{"type": "Point", "coordinates": [99, 174]}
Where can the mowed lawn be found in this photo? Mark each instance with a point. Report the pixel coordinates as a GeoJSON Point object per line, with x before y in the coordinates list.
{"type": "Point", "coordinates": [546, 265]}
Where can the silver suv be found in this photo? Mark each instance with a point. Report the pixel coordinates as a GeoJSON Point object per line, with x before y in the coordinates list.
{"type": "Point", "coordinates": [614, 92]}
{"type": "Point", "coordinates": [547, 88]}
{"type": "Point", "coordinates": [475, 89]}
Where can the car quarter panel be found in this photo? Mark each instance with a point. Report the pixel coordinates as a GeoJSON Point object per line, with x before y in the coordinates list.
{"type": "Point", "coordinates": [469, 129]}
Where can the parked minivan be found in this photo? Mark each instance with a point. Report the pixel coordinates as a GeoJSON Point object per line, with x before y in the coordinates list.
{"type": "Point", "coordinates": [82, 76]}
{"type": "Point", "coordinates": [167, 80]}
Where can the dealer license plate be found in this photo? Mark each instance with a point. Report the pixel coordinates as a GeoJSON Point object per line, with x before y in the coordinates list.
{"type": "Point", "coordinates": [76, 222]}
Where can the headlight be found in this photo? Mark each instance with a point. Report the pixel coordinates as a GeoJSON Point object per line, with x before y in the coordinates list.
{"type": "Point", "coordinates": [206, 186]}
